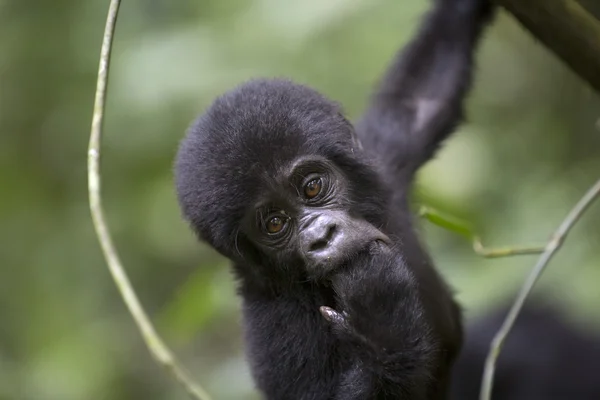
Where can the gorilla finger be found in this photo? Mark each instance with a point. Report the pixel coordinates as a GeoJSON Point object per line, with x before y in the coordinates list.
{"type": "Point", "coordinates": [332, 316]}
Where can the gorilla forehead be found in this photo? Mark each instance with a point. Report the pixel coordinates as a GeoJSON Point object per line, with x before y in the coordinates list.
{"type": "Point", "coordinates": [253, 131]}
{"type": "Point", "coordinates": [262, 126]}
{"type": "Point", "coordinates": [269, 122]}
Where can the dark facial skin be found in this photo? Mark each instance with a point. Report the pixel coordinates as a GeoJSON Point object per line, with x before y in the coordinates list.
{"type": "Point", "coordinates": [339, 299]}
{"type": "Point", "coordinates": [306, 213]}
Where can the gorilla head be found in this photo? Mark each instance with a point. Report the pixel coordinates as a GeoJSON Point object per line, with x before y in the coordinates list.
{"type": "Point", "coordinates": [272, 176]}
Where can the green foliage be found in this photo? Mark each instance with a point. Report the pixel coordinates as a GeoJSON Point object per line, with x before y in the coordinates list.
{"type": "Point", "coordinates": [529, 151]}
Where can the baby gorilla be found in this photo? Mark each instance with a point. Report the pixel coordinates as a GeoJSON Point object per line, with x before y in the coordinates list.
{"type": "Point", "coordinates": [340, 301]}
{"type": "Point", "coordinates": [272, 178]}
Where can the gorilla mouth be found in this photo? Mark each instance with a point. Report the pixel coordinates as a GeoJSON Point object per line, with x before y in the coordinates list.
{"type": "Point", "coordinates": [324, 271]}
{"type": "Point", "coordinates": [357, 259]}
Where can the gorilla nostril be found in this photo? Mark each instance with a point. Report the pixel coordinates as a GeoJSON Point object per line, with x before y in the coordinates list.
{"type": "Point", "coordinates": [331, 232]}
{"type": "Point", "coordinates": [321, 244]}
{"type": "Point", "coordinates": [318, 245]}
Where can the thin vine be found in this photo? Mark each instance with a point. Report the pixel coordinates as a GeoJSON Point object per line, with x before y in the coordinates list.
{"type": "Point", "coordinates": [156, 346]}
{"type": "Point", "coordinates": [555, 243]}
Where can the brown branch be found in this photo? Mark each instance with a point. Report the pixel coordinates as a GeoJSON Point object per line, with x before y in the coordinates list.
{"type": "Point", "coordinates": [156, 346]}
{"type": "Point", "coordinates": [568, 28]}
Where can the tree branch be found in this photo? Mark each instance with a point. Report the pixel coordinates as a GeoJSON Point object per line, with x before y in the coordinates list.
{"type": "Point", "coordinates": [156, 346]}
{"type": "Point", "coordinates": [551, 248]}
{"type": "Point", "coordinates": [567, 27]}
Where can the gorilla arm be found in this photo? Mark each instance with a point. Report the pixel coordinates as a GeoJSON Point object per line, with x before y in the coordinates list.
{"type": "Point", "coordinates": [420, 99]}
{"type": "Point", "coordinates": [383, 330]}
{"type": "Point", "coordinates": [417, 105]}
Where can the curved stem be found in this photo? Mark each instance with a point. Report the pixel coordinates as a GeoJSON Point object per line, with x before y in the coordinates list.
{"type": "Point", "coordinates": [156, 346]}
{"type": "Point", "coordinates": [456, 225]}
{"type": "Point", "coordinates": [551, 247]}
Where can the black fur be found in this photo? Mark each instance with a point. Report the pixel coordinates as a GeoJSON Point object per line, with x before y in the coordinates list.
{"type": "Point", "coordinates": [389, 346]}
{"type": "Point", "coordinates": [391, 328]}
{"type": "Point", "coordinates": [543, 358]}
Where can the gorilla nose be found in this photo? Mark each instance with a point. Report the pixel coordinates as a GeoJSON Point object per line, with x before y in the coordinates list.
{"type": "Point", "coordinates": [320, 235]}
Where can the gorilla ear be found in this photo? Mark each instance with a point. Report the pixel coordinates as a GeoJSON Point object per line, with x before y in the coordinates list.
{"type": "Point", "coordinates": [355, 140]}
{"type": "Point", "coordinates": [356, 143]}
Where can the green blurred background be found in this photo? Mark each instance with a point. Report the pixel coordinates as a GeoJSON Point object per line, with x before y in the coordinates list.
{"type": "Point", "coordinates": [530, 149]}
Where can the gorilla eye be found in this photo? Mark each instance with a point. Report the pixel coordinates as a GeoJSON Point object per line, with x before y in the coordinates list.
{"type": "Point", "coordinates": [313, 188]}
{"type": "Point", "coordinates": [275, 225]}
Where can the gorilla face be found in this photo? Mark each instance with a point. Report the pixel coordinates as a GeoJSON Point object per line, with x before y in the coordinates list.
{"type": "Point", "coordinates": [306, 213]}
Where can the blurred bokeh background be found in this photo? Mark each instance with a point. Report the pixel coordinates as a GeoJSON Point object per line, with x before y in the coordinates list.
{"type": "Point", "coordinates": [530, 149]}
